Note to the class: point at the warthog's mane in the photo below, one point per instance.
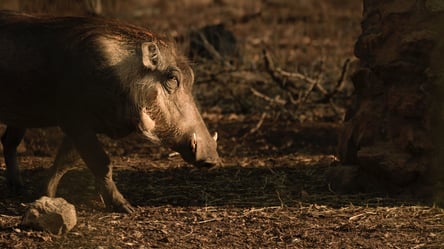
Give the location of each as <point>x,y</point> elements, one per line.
<point>78,28</point>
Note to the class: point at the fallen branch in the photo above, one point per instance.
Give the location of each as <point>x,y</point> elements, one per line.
<point>257,127</point>
<point>266,98</point>
<point>309,90</point>
<point>340,82</point>
<point>284,78</point>
<point>259,124</point>
<point>296,95</point>
<point>210,220</point>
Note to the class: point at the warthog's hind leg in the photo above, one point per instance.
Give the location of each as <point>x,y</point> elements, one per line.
<point>64,161</point>
<point>10,140</point>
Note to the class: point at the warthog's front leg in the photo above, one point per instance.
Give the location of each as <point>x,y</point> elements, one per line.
<point>64,161</point>
<point>10,140</point>
<point>92,153</point>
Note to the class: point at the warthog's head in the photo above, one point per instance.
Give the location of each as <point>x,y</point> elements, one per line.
<point>167,109</point>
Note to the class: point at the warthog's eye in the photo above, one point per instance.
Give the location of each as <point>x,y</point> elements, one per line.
<point>172,80</point>
<point>171,83</point>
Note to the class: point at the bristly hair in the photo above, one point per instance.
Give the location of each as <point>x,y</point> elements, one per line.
<point>80,28</point>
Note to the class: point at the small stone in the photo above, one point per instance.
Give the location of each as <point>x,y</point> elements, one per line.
<point>54,215</point>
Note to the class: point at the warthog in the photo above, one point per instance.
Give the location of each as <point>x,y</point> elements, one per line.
<point>89,76</point>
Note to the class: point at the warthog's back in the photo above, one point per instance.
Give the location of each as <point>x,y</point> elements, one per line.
<point>25,88</point>
<point>49,66</point>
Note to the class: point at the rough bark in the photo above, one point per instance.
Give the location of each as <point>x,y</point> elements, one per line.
<point>390,131</point>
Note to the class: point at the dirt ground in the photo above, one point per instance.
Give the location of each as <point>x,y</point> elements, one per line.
<point>277,143</point>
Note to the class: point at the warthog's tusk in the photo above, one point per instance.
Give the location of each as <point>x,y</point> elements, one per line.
<point>215,136</point>
<point>194,143</point>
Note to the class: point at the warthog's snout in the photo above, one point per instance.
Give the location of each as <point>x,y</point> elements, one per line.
<point>201,150</point>
<point>205,153</point>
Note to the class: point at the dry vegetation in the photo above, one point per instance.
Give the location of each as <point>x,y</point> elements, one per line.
<point>278,128</point>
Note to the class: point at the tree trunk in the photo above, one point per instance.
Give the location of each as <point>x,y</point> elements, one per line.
<point>392,133</point>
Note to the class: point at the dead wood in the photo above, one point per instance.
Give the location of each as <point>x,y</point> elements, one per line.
<point>290,81</point>
<point>340,83</point>
<point>268,99</point>
<point>257,127</point>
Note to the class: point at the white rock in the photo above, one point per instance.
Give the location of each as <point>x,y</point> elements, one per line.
<point>54,215</point>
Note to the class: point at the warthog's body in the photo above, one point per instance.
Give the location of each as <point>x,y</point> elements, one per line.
<point>93,76</point>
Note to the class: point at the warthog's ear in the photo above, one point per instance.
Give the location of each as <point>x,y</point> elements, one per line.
<point>151,56</point>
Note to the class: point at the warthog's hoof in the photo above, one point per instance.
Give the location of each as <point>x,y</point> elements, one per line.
<point>113,199</point>
<point>119,205</point>
<point>123,208</point>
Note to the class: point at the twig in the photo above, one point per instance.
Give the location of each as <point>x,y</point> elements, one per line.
<point>340,82</point>
<point>258,125</point>
<point>8,216</point>
<point>330,189</point>
<point>309,90</point>
<point>280,199</point>
<point>271,68</point>
<point>173,154</point>
<point>260,95</point>
<point>305,78</point>
<point>254,210</point>
<point>188,234</point>
<point>358,216</point>
<point>336,109</point>
<point>284,77</point>
<point>285,81</point>
<point>266,98</point>
<point>210,220</point>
